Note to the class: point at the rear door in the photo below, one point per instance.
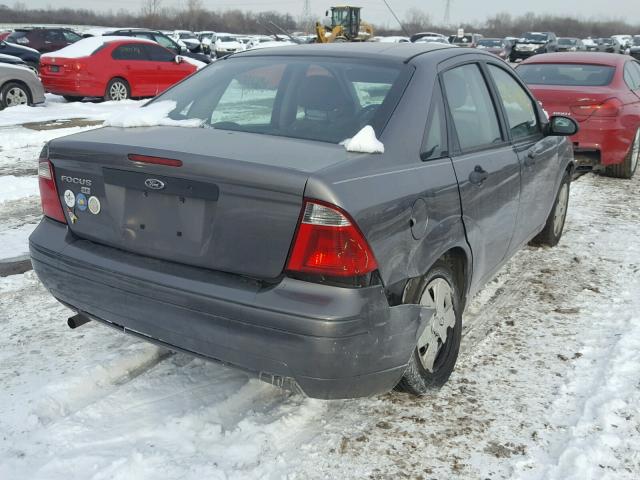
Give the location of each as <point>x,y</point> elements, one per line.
<point>486,167</point>
<point>538,155</point>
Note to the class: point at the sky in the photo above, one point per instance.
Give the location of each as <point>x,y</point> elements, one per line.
<point>376,12</point>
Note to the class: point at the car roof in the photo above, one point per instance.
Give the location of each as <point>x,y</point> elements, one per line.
<point>371,50</point>
<point>592,58</point>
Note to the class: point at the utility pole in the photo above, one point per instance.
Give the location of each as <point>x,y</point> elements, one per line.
<point>447,12</point>
<point>306,15</point>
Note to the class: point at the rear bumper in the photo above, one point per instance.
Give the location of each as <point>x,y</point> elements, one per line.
<point>328,341</point>
<point>604,135</point>
<point>72,85</point>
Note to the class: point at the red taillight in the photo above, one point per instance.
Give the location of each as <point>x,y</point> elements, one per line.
<point>608,108</point>
<point>329,244</point>
<point>51,206</point>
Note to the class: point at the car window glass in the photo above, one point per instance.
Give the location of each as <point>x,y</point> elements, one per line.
<point>570,74</point>
<point>472,110</point>
<point>636,67</point>
<point>306,98</point>
<point>631,76</point>
<point>129,52</point>
<point>434,144</point>
<point>158,54</point>
<point>165,42</point>
<point>521,113</point>
<point>249,97</point>
<point>54,36</point>
<point>70,36</point>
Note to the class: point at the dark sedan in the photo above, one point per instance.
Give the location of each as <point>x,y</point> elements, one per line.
<point>30,56</point>
<point>261,241</point>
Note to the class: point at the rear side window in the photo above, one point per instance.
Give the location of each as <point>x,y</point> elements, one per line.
<point>521,113</point>
<point>566,74</point>
<point>165,42</point>
<point>309,98</point>
<point>434,144</point>
<point>130,52</point>
<point>471,107</point>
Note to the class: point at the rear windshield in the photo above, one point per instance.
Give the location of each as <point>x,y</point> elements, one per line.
<point>489,43</point>
<point>566,74</point>
<point>535,37</point>
<point>567,41</point>
<point>307,98</point>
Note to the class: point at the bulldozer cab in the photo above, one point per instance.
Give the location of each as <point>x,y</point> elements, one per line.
<point>348,18</point>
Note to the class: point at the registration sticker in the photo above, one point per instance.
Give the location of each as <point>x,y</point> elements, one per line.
<point>81,202</point>
<point>69,198</point>
<point>94,205</point>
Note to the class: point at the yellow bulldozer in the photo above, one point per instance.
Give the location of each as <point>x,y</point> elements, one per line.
<point>345,26</point>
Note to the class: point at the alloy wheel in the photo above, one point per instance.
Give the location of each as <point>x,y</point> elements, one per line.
<point>16,96</point>
<point>118,91</point>
<point>561,209</point>
<point>635,152</point>
<point>439,296</point>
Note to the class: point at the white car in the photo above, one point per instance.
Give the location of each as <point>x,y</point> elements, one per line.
<point>207,38</point>
<point>186,39</point>
<point>226,44</point>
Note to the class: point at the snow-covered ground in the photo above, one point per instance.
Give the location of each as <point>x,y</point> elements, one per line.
<point>547,385</point>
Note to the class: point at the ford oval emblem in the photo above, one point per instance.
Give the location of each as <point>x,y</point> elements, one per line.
<point>154,183</point>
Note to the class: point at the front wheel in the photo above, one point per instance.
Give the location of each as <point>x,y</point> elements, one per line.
<point>628,167</point>
<point>437,347</point>
<point>552,231</point>
<point>117,89</point>
<point>13,94</point>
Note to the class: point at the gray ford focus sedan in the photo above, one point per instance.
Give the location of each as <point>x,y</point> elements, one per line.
<point>259,240</point>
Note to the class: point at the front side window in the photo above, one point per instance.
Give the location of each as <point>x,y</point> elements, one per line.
<point>521,113</point>
<point>472,110</point>
<point>71,36</point>
<point>165,42</point>
<point>315,99</point>
<point>158,54</point>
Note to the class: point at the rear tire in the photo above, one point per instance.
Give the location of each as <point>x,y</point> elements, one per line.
<point>552,231</point>
<point>13,94</point>
<point>433,360</point>
<point>629,165</point>
<point>117,89</point>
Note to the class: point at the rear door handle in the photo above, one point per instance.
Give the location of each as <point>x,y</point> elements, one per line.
<point>478,176</point>
<point>530,158</point>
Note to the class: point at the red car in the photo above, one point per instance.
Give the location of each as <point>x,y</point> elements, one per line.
<point>115,68</point>
<point>4,35</point>
<point>602,93</point>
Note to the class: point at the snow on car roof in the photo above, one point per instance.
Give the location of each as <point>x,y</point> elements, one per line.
<point>86,46</point>
<point>11,57</point>
<point>21,47</point>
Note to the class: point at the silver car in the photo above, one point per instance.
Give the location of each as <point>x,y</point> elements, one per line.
<point>19,86</point>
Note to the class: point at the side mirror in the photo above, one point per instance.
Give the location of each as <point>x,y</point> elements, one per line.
<point>561,126</point>
<point>179,59</point>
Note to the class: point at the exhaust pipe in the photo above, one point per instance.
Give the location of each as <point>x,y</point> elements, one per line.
<point>77,320</point>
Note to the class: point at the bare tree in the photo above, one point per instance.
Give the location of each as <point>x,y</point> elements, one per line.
<point>150,11</point>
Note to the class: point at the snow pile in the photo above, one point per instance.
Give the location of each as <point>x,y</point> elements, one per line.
<point>86,46</point>
<point>14,188</point>
<point>151,115</point>
<point>364,141</point>
<point>196,63</point>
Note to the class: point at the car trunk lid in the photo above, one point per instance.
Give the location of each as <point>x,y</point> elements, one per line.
<point>232,204</point>
<point>570,101</point>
